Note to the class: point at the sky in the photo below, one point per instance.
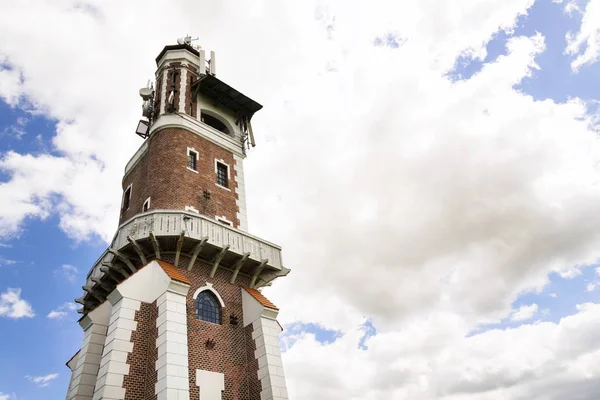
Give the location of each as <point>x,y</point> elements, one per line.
<point>429,167</point>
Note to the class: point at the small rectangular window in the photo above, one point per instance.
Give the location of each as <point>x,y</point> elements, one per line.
<point>126,198</point>
<point>192,158</point>
<point>224,221</point>
<point>222,175</point>
<point>146,205</point>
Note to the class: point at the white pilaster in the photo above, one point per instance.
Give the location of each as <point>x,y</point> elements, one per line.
<point>172,345</point>
<point>265,332</point>
<point>182,89</point>
<point>85,371</point>
<point>241,192</point>
<point>268,353</point>
<point>163,93</point>
<point>118,345</point>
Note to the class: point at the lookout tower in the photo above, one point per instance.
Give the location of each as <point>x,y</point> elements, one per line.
<point>173,309</point>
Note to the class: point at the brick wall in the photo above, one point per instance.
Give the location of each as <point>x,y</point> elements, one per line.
<point>233,353</point>
<point>163,176</point>
<point>139,384</point>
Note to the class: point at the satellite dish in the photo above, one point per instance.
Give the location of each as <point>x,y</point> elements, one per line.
<point>146,93</point>
<point>181,41</point>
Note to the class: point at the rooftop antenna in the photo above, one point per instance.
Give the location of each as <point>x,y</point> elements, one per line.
<point>147,95</point>
<point>186,40</point>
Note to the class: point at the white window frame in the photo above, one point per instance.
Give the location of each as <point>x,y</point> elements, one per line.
<point>220,161</point>
<point>209,287</point>
<point>130,188</point>
<point>192,209</point>
<point>189,150</point>
<point>144,205</point>
<point>222,218</point>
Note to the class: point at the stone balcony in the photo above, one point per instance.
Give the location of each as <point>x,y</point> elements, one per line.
<point>184,237</point>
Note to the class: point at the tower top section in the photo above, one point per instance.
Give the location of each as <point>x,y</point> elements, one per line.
<point>187,86</point>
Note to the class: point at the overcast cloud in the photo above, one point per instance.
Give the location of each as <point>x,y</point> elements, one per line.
<point>424,203</point>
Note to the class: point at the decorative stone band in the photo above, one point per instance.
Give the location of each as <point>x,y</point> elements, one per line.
<point>86,366</point>
<point>265,333</point>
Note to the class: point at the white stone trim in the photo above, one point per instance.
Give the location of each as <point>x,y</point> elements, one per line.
<point>85,371</point>
<point>141,151</point>
<point>130,188</point>
<point>118,345</point>
<point>192,209</point>
<point>190,150</point>
<point>240,189</point>
<point>221,161</point>
<point>265,332</point>
<point>209,286</point>
<point>223,218</point>
<point>144,205</point>
<point>211,384</point>
<point>180,55</point>
<point>195,151</point>
<point>232,128</point>
<point>227,142</point>
<point>268,353</point>
<point>163,94</point>
<point>172,345</point>
<point>182,87</point>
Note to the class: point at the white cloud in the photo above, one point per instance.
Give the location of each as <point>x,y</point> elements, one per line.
<point>569,272</point>
<point>585,44</point>
<point>524,313</point>
<point>592,286</point>
<point>426,204</point>
<point>553,295</point>
<point>62,311</point>
<point>42,381</point>
<point>13,306</point>
<point>434,359</point>
<point>10,83</point>
<point>6,262</point>
<point>67,271</point>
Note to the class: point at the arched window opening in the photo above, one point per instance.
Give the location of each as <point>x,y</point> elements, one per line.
<point>214,122</point>
<point>208,308</point>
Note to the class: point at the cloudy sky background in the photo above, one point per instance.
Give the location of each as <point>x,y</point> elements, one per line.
<point>431,169</point>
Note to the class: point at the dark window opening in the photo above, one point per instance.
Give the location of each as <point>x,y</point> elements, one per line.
<point>146,205</point>
<point>224,222</point>
<point>208,308</point>
<point>214,122</point>
<point>222,175</point>
<point>126,198</point>
<point>192,157</point>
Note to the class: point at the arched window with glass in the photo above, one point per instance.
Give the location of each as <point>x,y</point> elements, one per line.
<point>208,308</point>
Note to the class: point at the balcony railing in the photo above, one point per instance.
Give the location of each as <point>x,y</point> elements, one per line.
<point>171,223</point>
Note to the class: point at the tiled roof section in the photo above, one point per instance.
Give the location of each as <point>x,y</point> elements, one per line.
<point>173,272</point>
<point>260,298</point>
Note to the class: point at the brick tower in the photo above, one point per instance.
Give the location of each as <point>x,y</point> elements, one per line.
<point>171,310</point>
